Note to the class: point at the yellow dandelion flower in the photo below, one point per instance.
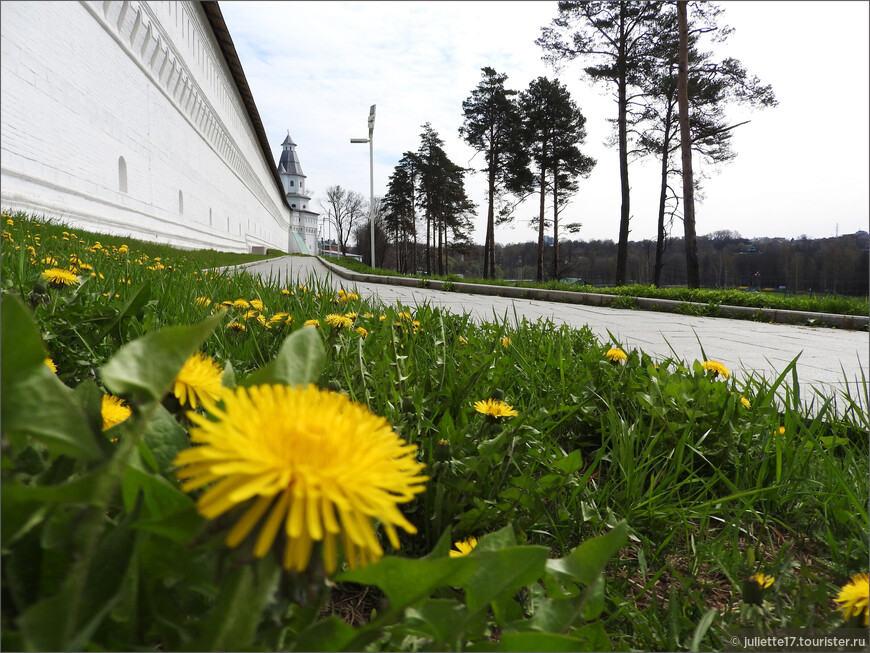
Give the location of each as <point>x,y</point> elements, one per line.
<point>338,321</point>
<point>49,260</point>
<point>463,548</point>
<point>114,411</point>
<point>382,318</point>
<point>506,342</point>
<point>241,303</point>
<point>352,315</point>
<point>315,323</point>
<point>362,332</point>
<point>60,278</point>
<point>322,466</point>
<point>237,326</point>
<point>781,430</point>
<point>250,315</point>
<point>717,368</point>
<point>10,222</point>
<point>284,291</point>
<point>199,381</point>
<point>278,317</point>
<point>368,315</point>
<point>352,296</point>
<point>854,599</point>
<point>615,354</point>
<point>495,408</point>
<point>256,303</point>
<point>463,340</point>
<point>51,365</point>
<point>753,588</point>
<point>202,301</point>
<point>746,403</point>
<point>762,580</point>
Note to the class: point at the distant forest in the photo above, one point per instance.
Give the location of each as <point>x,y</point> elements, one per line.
<point>799,265</point>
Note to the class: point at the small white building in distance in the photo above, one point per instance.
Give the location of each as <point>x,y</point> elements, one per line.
<point>135,119</point>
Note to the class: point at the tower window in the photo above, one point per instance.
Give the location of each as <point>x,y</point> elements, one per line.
<point>292,206</point>
<point>291,182</point>
<point>122,175</point>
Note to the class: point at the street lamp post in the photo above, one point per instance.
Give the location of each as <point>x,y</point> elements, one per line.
<point>369,140</point>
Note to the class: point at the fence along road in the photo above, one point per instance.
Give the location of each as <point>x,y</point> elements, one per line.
<point>832,361</point>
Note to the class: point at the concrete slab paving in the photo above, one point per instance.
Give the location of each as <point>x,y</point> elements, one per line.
<point>833,361</point>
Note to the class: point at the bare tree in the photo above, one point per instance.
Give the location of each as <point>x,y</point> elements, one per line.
<point>345,209</point>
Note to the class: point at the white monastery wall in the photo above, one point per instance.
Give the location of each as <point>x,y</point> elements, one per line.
<point>124,117</point>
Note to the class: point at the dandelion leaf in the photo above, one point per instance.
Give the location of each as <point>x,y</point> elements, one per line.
<point>300,361</point>
<point>30,388</point>
<point>147,366</point>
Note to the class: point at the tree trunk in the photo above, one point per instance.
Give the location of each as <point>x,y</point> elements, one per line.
<point>539,275</point>
<point>660,238</point>
<point>622,124</point>
<point>692,274</point>
<point>555,223</point>
<point>488,268</point>
<point>428,248</point>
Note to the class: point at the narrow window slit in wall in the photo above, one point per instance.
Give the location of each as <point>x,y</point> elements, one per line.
<point>180,203</point>
<point>122,175</point>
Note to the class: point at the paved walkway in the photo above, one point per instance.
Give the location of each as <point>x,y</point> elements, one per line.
<point>831,360</point>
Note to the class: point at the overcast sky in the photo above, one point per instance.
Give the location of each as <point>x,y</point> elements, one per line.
<point>802,167</point>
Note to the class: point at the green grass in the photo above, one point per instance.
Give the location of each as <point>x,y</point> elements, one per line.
<point>709,488</point>
<point>713,298</point>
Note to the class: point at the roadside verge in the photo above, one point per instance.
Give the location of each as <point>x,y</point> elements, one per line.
<point>779,316</point>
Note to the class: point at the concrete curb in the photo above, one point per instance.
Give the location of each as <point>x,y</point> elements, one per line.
<point>849,322</point>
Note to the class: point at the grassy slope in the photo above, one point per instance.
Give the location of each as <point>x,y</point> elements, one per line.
<point>836,304</point>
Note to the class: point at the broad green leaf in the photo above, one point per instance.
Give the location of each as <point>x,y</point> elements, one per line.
<point>90,398</point>
<point>406,581</point>
<point>180,526</point>
<point>571,463</point>
<point>67,620</point>
<point>85,490</point>
<point>139,296</point>
<point>702,627</point>
<point>497,540</point>
<point>35,402</point>
<point>232,622</point>
<point>587,560</point>
<point>443,621</point>
<point>300,361</point>
<point>442,546</point>
<point>161,498</point>
<point>331,634</point>
<point>147,366</point>
<point>164,438</point>
<point>501,574</point>
<point>21,342</point>
<point>17,516</point>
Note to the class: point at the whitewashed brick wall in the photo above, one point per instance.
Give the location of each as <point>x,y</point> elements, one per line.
<point>86,83</point>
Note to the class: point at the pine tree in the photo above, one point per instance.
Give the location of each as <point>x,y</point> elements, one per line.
<point>492,126</point>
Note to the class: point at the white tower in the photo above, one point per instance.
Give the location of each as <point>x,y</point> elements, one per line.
<point>303,223</point>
